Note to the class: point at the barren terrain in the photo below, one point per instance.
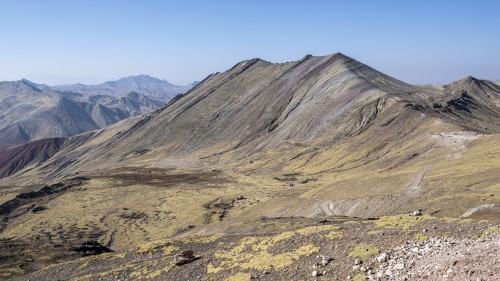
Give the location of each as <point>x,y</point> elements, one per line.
<point>264,171</point>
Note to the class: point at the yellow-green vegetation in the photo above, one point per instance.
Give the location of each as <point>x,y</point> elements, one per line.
<point>364,251</point>
<point>154,247</point>
<point>240,276</point>
<point>144,272</point>
<point>266,252</point>
<point>316,229</point>
<point>8,272</point>
<point>259,260</point>
<point>421,237</point>
<point>203,239</point>
<point>489,231</point>
<point>405,221</point>
<point>359,277</point>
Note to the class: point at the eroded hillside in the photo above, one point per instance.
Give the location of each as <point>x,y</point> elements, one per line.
<point>267,162</point>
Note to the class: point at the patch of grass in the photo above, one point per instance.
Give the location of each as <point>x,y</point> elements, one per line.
<point>158,246</point>
<point>403,221</point>
<point>364,251</point>
<point>259,260</point>
<point>255,252</point>
<point>333,235</point>
<point>421,237</point>
<point>8,272</point>
<point>331,231</point>
<point>201,239</point>
<point>315,229</point>
<point>489,231</point>
<point>359,277</point>
<point>240,276</point>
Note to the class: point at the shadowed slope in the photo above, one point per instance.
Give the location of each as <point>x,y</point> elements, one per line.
<point>257,105</point>
<point>266,143</point>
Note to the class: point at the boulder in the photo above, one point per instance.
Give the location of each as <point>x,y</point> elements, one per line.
<point>184,257</point>
<point>382,258</point>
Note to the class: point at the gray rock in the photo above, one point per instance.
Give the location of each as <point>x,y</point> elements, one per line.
<point>184,257</point>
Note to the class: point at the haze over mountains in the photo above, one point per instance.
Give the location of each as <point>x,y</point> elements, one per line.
<point>261,159</point>
<point>258,106</point>
<point>141,84</point>
<point>32,111</point>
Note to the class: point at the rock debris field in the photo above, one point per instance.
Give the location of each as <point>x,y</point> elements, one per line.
<point>439,259</point>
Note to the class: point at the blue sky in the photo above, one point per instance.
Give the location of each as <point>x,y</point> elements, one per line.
<point>91,41</point>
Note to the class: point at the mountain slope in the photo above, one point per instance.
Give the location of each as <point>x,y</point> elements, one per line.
<point>261,149</point>
<point>257,104</point>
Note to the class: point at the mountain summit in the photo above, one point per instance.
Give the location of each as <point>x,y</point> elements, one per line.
<point>259,168</point>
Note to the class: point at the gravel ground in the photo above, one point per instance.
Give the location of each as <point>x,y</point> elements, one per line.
<point>441,259</point>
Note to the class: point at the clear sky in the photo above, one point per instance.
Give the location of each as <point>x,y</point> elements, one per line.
<point>91,41</point>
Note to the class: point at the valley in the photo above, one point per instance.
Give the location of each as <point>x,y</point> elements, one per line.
<point>264,171</point>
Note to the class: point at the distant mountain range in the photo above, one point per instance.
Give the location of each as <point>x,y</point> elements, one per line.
<point>260,167</point>
<point>141,84</point>
<point>30,111</point>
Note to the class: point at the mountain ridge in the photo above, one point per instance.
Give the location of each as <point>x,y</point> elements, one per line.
<point>289,157</point>
<point>359,88</point>
<point>33,111</point>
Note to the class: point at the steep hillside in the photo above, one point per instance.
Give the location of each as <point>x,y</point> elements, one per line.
<point>257,106</point>
<point>258,169</point>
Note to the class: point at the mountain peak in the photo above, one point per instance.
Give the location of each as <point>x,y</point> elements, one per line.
<point>29,84</point>
<point>141,76</point>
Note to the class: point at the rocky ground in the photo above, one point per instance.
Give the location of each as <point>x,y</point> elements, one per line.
<point>404,247</point>
<point>442,259</point>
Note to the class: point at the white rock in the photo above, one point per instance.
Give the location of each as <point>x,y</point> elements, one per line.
<point>382,257</point>
<point>388,272</point>
<point>399,266</point>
